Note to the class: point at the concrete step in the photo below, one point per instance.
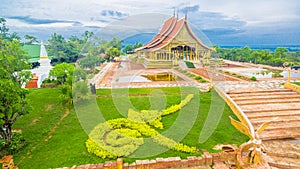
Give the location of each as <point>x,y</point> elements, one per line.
<point>283,153</point>
<point>275,101</point>
<point>264,105</point>
<point>281,125</point>
<point>278,119</point>
<point>255,119</point>
<point>270,107</point>
<point>259,91</point>
<point>274,110</point>
<point>283,165</point>
<point>264,97</point>
<point>280,134</point>
<point>260,94</point>
<point>269,115</point>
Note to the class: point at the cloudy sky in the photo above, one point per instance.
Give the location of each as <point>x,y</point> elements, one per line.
<point>225,22</point>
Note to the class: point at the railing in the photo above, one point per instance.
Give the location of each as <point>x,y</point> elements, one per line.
<point>293,87</point>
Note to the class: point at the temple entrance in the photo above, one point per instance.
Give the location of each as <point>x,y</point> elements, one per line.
<point>184,52</point>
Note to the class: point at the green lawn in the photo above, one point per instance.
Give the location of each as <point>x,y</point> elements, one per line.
<point>297,83</point>
<point>66,147</point>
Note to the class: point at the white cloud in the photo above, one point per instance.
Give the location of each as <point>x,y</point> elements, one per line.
<point>251,11</point>
<point>229,16</point>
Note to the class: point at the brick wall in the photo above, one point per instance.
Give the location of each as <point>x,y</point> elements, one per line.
<point>33,83</point>
<point>207,159</point>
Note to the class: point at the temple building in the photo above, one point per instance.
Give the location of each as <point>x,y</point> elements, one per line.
<point>174,42</point>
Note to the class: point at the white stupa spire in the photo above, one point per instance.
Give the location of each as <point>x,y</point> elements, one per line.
<point>43,52</point>
<point>44,69</point>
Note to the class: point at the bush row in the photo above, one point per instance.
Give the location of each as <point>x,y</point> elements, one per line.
<point>200,79</point>
<point>177,107</point>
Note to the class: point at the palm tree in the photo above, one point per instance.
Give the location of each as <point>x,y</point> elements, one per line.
<point>30,39</point>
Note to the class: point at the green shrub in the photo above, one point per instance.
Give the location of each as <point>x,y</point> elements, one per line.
<point>202,81</point>
<point>184,71</point>
<point>189,64</point>
<point>16,143</point>
<point>198,77</point>
<point>253,78</point>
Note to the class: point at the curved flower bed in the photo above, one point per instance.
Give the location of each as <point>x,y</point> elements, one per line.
<point>121,137</point>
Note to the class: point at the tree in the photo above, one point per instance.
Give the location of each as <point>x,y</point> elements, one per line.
<point>115,43</point>
<point>87,35</point>
<point>14,36</point>
<point>90,61</point>
<point>112,52</point>
<point>137,45</point>
<point>62,73</point>
<point>281,51</point>
<point>128,48</point>
<point>79,75</point>
<point>3,29</point>
<point>55,44</point>
<point>13,101</point>
<point>30,39</point>
<point>62,50</point>
<point>4,34</point>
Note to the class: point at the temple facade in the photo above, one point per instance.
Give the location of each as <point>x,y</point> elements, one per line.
<point>174,42</point>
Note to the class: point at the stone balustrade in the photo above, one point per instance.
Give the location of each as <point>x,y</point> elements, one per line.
<point>293,87</point>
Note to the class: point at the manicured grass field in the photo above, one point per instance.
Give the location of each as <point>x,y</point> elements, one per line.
<point>66,146</point>
<point>297,83</point>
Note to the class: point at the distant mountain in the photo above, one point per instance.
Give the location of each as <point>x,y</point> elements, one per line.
<point>142,37</point>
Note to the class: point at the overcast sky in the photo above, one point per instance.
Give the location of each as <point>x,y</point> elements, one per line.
<point>225,22</point>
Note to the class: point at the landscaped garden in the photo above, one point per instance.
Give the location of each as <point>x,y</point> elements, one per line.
<point>47,146</point>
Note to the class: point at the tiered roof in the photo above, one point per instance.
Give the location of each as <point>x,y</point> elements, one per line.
<point>168,32</point>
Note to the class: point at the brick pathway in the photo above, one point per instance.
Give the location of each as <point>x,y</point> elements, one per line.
<point>110,74</point>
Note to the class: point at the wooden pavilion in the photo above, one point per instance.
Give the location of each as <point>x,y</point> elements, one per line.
<point>173,43</point>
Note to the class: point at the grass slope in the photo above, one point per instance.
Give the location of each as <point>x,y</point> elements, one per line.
<point>66,147</point>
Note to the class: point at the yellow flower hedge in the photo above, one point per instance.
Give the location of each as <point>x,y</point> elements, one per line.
<point>121,137</point>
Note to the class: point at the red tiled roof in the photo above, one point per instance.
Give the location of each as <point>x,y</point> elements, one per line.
<point>169,30</point>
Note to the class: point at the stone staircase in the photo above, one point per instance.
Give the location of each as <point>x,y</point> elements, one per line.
<point>282,106</point>
<point>261,105</point>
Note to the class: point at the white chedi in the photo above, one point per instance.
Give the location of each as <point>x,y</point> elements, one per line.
<point>44,69</point>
